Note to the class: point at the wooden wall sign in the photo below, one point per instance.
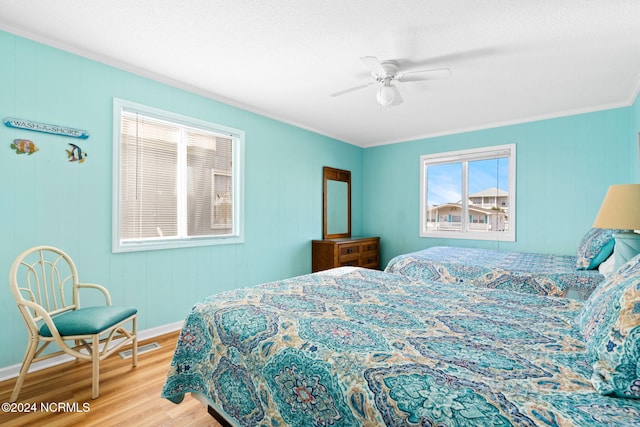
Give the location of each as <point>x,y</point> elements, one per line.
<point>45,128</point>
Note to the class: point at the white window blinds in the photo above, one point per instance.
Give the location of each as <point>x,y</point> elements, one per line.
<point>176,181</point>
<point>149,172</point>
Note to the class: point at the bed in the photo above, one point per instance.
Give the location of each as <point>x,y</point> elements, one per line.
<point>358,347</point>
<point>543,274</point>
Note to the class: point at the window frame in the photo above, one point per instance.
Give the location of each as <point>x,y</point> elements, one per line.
<point>462,156</point>
<point>238,139</point>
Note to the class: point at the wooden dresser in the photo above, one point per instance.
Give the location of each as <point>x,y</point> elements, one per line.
<point>347,251</point>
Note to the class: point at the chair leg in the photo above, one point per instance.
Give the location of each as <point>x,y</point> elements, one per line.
<point>134,350</point>
<point>26,363</point>
<point>77,344</point>
<point>95,367</point>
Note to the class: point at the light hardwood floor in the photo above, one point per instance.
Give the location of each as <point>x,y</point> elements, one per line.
<point>128,396</point>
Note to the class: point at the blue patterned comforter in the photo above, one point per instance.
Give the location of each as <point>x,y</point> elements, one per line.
<point>357,347</point>
<point>542,274</point>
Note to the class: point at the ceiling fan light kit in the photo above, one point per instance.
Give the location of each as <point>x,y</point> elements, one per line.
<point>384,73</point>
<point>385,95</point>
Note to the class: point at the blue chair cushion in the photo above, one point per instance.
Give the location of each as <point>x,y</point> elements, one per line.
<point>86,321</point>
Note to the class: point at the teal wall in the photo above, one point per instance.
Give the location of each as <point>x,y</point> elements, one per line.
<point>47,200</point>
<point>564,167</point>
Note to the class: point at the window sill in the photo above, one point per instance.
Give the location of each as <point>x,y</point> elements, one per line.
<point>121,247</point>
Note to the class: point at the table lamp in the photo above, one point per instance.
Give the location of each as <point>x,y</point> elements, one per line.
<point>621,210</point>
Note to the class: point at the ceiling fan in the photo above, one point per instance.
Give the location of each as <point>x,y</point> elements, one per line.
<point>386,73</point>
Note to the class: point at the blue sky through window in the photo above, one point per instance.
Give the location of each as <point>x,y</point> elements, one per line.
<point>444,182</point>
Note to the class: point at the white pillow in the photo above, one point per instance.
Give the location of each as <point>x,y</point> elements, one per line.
<point>606,268</point>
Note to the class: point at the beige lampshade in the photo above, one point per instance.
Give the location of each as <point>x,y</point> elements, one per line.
<point>620,208</point>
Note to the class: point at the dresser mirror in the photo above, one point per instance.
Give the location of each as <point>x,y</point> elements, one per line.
<point>336,203</point>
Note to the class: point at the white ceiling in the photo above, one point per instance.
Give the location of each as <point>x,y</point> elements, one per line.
<point>511,60</point>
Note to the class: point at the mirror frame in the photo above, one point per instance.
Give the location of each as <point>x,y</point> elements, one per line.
<point>333,174</point>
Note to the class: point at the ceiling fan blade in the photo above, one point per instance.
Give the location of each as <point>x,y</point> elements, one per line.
<point>372,63</point>
<point>397,98</point>
<point>418,76</point>
<point>352,89</point>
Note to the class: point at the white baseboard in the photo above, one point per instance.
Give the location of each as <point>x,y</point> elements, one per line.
<point>159,330</point>
<point>13,371</point>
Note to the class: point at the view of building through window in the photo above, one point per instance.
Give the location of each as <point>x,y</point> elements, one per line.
<point>468,192</point>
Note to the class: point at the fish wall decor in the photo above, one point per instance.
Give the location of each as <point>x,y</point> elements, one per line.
<point>76,154</point>
<point>23,146</point>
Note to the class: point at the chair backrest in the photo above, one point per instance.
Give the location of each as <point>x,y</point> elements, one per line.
<point>46,276</point>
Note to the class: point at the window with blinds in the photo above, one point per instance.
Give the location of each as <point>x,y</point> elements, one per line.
<point>469,194</point>
<point>177,180</point>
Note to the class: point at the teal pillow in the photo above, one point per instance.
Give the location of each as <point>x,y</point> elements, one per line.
<point>595,247</point>
<point>610,325</point>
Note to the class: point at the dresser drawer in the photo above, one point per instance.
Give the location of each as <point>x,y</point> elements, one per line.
<point>354,262</point>
<point>369,248</point>
<point>371,261</point>
<point>348,252</point>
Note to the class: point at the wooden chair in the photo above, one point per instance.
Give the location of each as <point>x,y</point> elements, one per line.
<point>45,284</point>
